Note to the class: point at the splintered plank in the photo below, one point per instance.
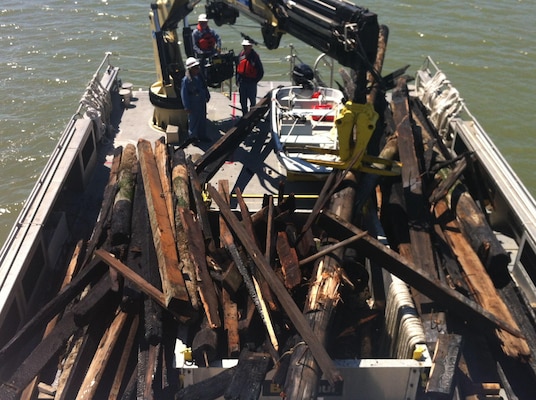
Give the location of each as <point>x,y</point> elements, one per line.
<point>101,358</point>
<point>173,284</point>
<point>289,261</point>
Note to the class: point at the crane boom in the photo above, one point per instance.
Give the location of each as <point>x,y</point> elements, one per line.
<point>344,31</point>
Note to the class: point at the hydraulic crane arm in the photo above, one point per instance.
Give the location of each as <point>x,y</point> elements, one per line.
<point>344,31</point>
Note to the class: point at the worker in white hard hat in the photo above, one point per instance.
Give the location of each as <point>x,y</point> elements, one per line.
<point>195,96</point>
<point>249,71</point>
<point>206,41</point>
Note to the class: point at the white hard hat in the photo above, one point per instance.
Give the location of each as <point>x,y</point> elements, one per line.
<point>202,18</point>
<point>191,62</point>
<point>246,42</point>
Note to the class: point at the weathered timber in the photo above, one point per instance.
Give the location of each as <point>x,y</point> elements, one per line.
<point>289,261</point>
<point>49,346</point>
<point>269,229</point>
<point>182,196</point>
<point>390,260</point>
<point>184,238</point>
<point>174,288</point>
<point>180,180</point>
<point>106,207</point>
<point>448,178</point>
<point>448,260</point>
<point>14,348</point>
<point>231,277</point>
<point>333,247</point>
<point>122,208</point>
<point>322,298</point>
<point>162,164</point>
<point>69,364</point>
<point>230,318</point>
<point>200,207</point>
<point>101,358</point>
<point>180,184</point>
<point>130,387</point>
<point>234,279</point>
<point>418,113</point>
<point>136,279</point>
<point>142,259</point>
<point>479,234</point>
<point>89,339</point>
<point>480,283</point>
<point>241,263</point>
<point>209,389</point>
<point>382,84</point>
<point>147,365</point>
<point>248,224</point>
<point>212,160</point>
<point>196,254</point>
<point>419,224</point>
<point>130,342</point>
<point>441,380</point>
<point>246,383</point>
<point>292,310</point>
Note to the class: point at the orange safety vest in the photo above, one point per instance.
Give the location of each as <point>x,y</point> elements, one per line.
<point>246,68</point>
<point>207,41</point>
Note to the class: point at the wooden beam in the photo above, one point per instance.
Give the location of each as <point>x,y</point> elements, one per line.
<point>197,256</point>
<point>333,247</point>
<point>174,288</point>
<point>162,164</point>
<point>128,273</point>
<point>122,207</point>
<point>101,357</point>
<point>123,361</point>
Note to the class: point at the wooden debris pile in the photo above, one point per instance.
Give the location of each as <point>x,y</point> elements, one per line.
<point>270,288</point>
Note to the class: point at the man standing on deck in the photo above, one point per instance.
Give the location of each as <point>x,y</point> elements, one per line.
<point>249,71</point>
<point>195,96</point>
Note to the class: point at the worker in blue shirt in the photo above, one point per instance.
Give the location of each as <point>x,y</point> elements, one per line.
<point>195,96</point>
